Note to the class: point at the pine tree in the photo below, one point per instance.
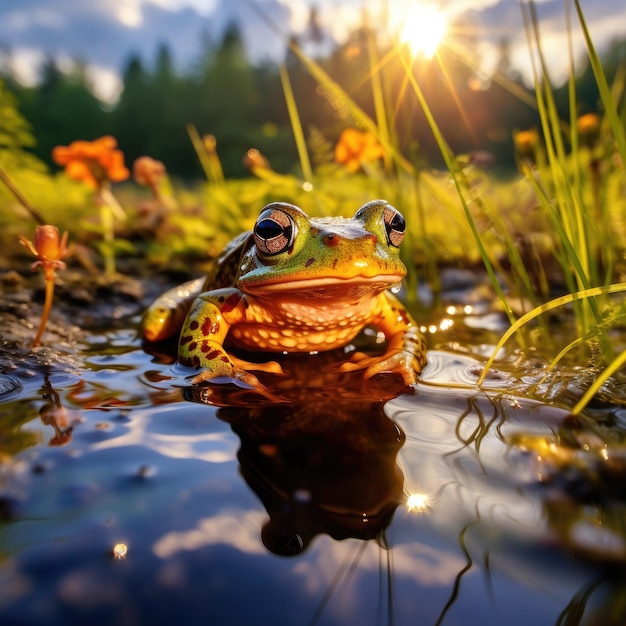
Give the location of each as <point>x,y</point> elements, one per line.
<point>16,135</point>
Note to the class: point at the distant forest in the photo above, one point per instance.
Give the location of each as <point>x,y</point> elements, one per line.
<point>243,106</point>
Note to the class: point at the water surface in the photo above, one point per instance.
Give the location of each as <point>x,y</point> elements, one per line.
<point>348,504</point>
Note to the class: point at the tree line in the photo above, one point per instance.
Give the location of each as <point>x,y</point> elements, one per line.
<point>243,105</point>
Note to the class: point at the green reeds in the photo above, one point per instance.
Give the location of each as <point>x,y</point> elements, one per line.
<point>568,186</point>
<point>296,126</point>
<point>545,308</point>
<point>460,184</point>
<point>568,174</point>
<point>559,192</point>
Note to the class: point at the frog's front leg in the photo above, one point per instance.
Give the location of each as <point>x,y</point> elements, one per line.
<point>406,346</point>
<point>201,343</point>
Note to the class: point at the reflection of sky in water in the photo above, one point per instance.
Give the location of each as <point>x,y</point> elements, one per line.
<point>176,433</point>
<point>165,480</point>
<point>460,482</point>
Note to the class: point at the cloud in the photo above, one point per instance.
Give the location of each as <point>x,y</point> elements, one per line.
<point>95,33</point>
<point>104,33</point>
<point>496,22</point>
<point>503,19</point>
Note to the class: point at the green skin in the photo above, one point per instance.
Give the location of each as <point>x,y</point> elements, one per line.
<point>296,284</point>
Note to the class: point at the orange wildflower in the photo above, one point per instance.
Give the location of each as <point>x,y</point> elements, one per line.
<point>589,122</point>
<point>356,147</point>
<point>92,162</point>
<point>48,249</point>
<point>526,142</point>
<point>588,127</point>
<point>148,171</point>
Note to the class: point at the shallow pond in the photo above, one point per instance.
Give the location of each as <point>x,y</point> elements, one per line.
<point>127,498</point>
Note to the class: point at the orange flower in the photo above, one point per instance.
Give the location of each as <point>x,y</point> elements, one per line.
<point>92,162</point>
<point>526,142</point>
<point>48,249</point>
<point>588,127</point>
<point>356,147</point>
<point>587,123</point>
<point>148,171</point>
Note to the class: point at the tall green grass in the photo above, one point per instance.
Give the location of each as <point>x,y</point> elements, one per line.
<point>574,178</point>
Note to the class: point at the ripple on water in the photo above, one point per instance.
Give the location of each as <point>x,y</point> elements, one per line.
<point>458,370</point>
<point>10,386</point>
<point>457,451</point>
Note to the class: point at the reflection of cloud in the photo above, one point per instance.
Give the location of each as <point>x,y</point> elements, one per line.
<point>318,568</point>
<point>425,564</point>
<point>414,561</point>
<point>240,530</point>
<point>212,447</point>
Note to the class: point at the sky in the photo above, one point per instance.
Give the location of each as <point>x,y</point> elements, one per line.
<point>104,33</point>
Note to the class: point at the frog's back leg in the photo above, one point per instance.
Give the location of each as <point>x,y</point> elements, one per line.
<point>165,316</point>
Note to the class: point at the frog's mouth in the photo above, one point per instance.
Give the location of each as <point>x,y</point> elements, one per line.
<point>334,286</point>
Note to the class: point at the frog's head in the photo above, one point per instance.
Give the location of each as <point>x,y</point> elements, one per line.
<point>291,251</point>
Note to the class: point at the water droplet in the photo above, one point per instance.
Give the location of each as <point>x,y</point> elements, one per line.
<point>396,288</point>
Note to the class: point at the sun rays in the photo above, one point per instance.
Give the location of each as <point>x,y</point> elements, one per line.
<point>424,29</point>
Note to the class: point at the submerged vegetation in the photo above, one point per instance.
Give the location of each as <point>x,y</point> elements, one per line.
<point>551,234</point>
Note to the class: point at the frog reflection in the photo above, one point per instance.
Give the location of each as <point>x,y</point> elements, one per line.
<point>324,464</point>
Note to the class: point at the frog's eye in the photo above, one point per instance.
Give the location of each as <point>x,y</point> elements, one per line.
<point>394,226</point>
<point>274,232</point>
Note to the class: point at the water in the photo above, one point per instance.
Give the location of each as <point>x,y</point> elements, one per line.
<point>445,506</point>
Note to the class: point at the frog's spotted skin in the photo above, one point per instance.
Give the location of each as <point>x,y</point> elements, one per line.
<point>166,315</point>
<point>297,284</point>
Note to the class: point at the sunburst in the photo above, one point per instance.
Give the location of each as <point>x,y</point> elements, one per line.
<point>424,29</point>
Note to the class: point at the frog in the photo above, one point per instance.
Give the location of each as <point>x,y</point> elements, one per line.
<point>295,284</point>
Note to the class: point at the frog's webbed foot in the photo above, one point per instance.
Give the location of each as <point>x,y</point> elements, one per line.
<point>237,375</point>
<point>269,367</point>
<point>405,356</point>
<point>216,363</point>
<point>403,363</point>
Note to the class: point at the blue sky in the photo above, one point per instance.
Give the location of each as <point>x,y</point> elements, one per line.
<point>105,32</point>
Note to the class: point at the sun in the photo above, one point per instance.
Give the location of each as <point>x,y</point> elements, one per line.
<point>424,28</point>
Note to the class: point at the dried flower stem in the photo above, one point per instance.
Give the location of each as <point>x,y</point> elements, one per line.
<point>19,196</point>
